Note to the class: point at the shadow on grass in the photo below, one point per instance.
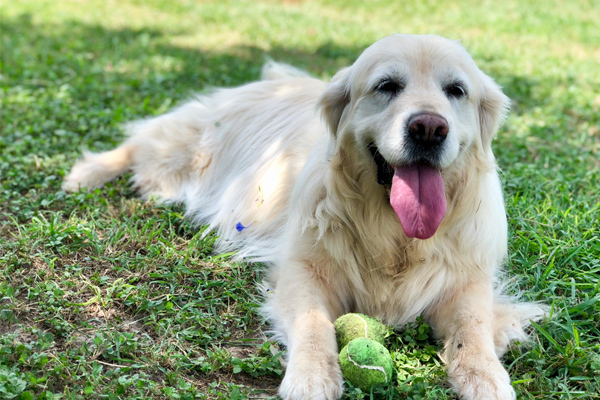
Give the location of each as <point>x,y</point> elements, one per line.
<point>71,86</point>
<point>138,62</point>
<point>92,54</point>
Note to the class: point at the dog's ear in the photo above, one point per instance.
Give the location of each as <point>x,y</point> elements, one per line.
<point>334,100</point>
<point>493,109</point>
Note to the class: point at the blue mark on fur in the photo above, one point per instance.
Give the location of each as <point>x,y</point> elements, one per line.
<point>241,227</point>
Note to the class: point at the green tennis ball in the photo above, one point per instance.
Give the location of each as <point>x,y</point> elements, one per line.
<point>366,363</point>
<point>352,326</point>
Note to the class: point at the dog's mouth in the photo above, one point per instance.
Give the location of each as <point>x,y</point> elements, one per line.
<point>417,194</point>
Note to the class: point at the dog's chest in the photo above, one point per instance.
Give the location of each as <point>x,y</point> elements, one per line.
<point>399,285</point>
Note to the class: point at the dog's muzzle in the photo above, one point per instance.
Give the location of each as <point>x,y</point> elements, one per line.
<point>425,136</point>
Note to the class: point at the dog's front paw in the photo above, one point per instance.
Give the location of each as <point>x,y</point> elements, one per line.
<point>481,379</point>
<point>314,378</point>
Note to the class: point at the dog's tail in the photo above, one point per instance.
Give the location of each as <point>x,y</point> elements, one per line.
<point>96,169</point>
<point>276,70</point>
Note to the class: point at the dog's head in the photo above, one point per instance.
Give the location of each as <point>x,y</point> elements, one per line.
<point>415,104</point>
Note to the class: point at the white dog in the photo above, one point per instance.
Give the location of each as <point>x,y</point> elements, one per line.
<point>391,206</point>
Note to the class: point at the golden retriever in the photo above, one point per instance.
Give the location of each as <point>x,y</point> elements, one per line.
<point>389,205</point>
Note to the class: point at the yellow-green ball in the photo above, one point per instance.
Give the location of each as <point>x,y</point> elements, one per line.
<point>366,363</point>
<point>352,326</point>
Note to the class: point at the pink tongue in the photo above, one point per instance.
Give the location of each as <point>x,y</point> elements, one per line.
<point>419,200</point>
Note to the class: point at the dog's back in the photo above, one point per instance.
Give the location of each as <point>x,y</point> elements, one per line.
<point>232,156</point>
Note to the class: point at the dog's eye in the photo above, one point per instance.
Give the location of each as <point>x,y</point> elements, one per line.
<point>456,90</point>
<point>389,87</point>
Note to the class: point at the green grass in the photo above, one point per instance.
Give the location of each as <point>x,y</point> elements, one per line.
<point>104,296</point>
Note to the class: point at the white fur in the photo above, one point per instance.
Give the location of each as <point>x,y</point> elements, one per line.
<point>260,155</point>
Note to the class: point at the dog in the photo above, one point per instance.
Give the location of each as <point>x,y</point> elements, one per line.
<point>375,193</point>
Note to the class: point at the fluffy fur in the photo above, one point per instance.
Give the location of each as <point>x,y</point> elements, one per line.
<point>306,189</point>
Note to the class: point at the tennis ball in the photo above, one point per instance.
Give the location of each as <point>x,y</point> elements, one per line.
<point>351,326</point>
<point>366,363</point>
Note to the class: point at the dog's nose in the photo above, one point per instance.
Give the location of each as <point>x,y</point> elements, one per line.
<point>427,129</point>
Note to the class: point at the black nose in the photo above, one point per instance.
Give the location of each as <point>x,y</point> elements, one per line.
<point>427,129</point>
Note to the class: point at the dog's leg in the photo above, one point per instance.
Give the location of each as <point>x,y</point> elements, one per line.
<point>161,152</point>
<point>303,318</point>
<point>465,321</point>
<point>96,169</point>
<point>313,371</point>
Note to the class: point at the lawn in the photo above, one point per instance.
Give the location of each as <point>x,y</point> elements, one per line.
<point>105,296</point>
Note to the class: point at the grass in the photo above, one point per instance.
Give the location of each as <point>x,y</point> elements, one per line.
<point>104,296</point>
